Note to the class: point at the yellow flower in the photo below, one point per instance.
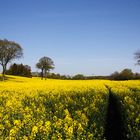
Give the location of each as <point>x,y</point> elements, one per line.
<point>35,129</point>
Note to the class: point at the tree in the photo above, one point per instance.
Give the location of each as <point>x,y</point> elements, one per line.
<point>136,76</point>
<point>79,77</point>
<point>114,76</point>
<point>45,64</point>
<point>137,57</point>
<point>126,74</point>
<point>19,70</point>
<point>9,50</point>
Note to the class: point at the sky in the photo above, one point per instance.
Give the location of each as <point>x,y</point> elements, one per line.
<point>90,37</point>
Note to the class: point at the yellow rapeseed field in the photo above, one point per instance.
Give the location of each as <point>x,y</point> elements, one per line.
<point>31,108</point>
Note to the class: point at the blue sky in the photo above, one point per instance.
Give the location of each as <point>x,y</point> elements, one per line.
<point>92,37</point>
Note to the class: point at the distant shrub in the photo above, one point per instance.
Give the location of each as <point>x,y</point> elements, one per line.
<point>19,70</point>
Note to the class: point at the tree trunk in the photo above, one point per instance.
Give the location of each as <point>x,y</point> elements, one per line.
<point>3,73</point>
<point>45,74</point>
<point>42,74</point>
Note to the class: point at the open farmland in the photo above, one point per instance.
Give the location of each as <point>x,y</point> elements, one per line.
<point>68,109</point>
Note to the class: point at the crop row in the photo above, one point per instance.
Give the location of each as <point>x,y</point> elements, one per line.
<point>128,97</point>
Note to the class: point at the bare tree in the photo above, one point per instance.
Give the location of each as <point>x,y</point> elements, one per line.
<point>137,57</point>
<point>9,50</point>
<point>45,64</point>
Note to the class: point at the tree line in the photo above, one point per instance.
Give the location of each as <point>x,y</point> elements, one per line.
<point>125,74</point>
<point>10,50</point>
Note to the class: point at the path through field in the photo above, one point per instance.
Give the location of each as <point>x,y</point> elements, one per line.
<point>114,124</point>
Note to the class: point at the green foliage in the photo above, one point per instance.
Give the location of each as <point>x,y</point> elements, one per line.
<point>79,77</point>
<point>125,74</point>
<point>19,70</point>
